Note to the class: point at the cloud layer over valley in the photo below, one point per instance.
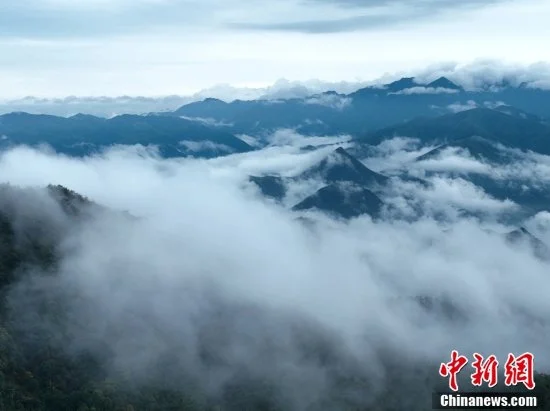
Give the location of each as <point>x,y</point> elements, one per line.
<point>241,289</point>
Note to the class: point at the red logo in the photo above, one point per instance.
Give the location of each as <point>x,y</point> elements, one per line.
<point>485,370</point>
<point>518,370</point>
<point>452,368</point>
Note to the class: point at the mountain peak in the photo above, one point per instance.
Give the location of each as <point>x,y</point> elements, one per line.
<point>212,100</point>
<point>341,150</point>
<point>444,82</point>
<point>340,166</point>
<point>82,116</point>
<point>539,247</point>
<point>401,84</point>
<point>343,199</point>
<point>520,232</point>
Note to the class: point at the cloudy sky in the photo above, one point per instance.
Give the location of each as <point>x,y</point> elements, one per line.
<point>162,47</point>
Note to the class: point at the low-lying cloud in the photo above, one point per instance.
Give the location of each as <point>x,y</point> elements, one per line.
<point>212,270</point>
<point>481,74</point>
<point>427,90</point>
<point>330,100</point>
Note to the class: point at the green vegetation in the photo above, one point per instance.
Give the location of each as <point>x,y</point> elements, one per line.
<point>35,373</point>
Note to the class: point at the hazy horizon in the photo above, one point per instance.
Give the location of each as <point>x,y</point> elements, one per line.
<point>471,76</point>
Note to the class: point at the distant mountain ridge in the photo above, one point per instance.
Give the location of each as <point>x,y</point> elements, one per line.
<point>411,83</point>
<point>507,128</point>
<point>211,127</point>
<point>85,134</point>
<point>364,110</point>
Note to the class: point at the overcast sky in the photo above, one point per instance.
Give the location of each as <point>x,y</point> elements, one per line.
<point>162,47</point>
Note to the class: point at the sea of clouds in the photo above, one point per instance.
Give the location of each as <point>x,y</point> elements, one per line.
<point>213,284</point>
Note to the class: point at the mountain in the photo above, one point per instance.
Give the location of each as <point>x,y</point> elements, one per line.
<point>531,198</point>
<point>48,362</point>
<point>443,82</point>
<point>101,106</point>
<point>341,199</point>
<point>364,110</point>
<point>516,112</point>
<point>325,113</point>
<point>340,166</point>
<point>309,116</point>
<point>270,186</point>
<point>522,235</point>
<point>38,370</point>
<point>478,147</point>
<point>485,134</point>
<point>494,125</point>
<point>83,134</point>
<point>401,84</point>
<point>484,148</point>
<point>349,189</point>
<point>41,368</point>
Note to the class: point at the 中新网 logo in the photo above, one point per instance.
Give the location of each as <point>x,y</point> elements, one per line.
<point>517,370</point>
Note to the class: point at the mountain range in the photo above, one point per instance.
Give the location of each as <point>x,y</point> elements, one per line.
<point>84,134</point>
<point>364,110</point>
<point>212,128</point>
<point>514,129</point>
<point>496,140</point>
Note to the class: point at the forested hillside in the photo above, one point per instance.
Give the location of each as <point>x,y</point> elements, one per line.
<point>40,372</point>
